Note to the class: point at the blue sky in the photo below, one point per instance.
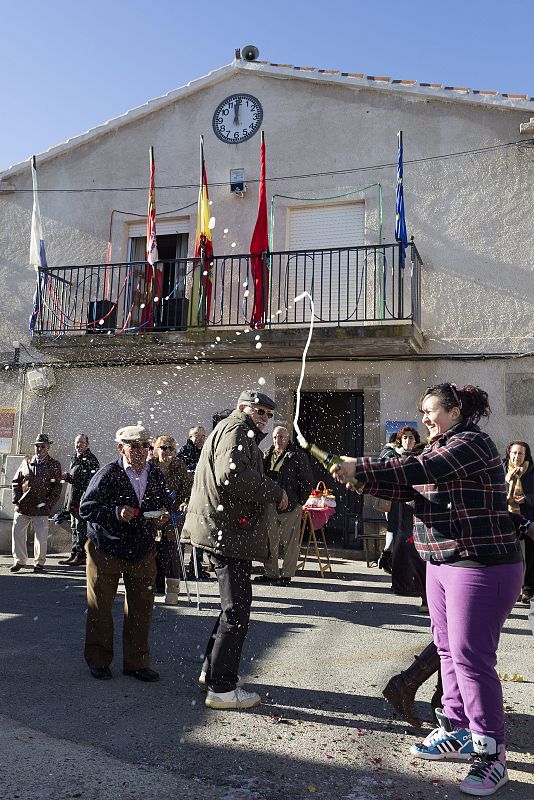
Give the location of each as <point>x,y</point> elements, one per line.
<point>66,67</point>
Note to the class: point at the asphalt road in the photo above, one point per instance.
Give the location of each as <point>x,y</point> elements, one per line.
<point>319,653</point>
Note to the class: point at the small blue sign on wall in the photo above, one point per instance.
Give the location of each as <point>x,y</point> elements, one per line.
<point>394,425</point>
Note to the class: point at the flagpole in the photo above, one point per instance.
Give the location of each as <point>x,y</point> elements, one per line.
<point>402,244</point>
<point>202,304</point>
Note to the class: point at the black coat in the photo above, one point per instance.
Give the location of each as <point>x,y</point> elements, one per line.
<point>110,489</point>
<point>295,475</point>
<point>81,470</point>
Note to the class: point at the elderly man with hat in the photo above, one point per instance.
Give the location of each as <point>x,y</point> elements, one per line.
<point>122,504</point>
<point>231,505</point>
<point>36,490</point>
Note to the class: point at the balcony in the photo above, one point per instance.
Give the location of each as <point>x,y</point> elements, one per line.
<point>366,303</point>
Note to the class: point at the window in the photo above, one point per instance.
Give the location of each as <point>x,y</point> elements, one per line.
<point>331,277</point>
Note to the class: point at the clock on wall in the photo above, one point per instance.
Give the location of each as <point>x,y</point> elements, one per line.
<point>237,118</point>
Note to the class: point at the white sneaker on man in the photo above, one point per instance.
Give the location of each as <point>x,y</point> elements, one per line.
<point>237,698</point>
<point>203,686</point>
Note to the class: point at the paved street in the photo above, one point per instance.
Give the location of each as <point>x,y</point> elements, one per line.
<point>318,652</point>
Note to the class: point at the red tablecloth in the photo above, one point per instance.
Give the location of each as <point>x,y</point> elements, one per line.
<point>319,516</point>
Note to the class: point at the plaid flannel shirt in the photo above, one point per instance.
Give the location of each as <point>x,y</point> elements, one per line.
<point>459,495</point>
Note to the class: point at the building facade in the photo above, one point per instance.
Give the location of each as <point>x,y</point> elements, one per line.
<point>461,309</point>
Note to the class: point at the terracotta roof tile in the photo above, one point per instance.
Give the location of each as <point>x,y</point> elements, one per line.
<point>516,96</point>
<point>383,78</point>
<point>485,91</point>
<point>404,82</point>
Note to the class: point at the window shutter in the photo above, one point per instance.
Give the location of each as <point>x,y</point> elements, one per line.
<point>331,278</point>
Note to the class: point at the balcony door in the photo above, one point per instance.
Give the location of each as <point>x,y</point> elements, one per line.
<point>330,278</point>
<point>172,253</point>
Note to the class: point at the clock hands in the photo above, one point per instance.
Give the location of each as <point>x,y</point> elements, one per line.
<point>236,110</point>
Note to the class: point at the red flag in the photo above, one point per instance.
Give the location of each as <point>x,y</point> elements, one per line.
<point>260,244</point>
<point>203,243</point>
<point>153,276</point>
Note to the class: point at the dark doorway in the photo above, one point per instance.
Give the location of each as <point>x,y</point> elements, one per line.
<point>334,421</point>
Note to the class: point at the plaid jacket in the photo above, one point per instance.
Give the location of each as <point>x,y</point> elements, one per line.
<point>458,492</point>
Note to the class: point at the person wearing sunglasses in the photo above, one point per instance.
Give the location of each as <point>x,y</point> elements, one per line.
<point>36,489</point>
<point>231,506</point>
<point>124,504</point>
<point>474,571</point>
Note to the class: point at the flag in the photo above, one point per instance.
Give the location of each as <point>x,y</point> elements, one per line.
<point>153,276</point>
<point>400,220</point>
<point>202,285</point>
<point>260,244</point>
<point>37,250</point>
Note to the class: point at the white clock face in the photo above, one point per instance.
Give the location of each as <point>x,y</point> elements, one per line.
<point>237,118</point>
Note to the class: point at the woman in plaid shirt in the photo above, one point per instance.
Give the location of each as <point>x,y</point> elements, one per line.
<point>474,570</point>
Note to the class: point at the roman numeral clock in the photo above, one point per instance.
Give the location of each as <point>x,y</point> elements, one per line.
<point>237,118</point>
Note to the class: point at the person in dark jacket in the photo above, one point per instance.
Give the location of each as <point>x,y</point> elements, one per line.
<point>474,569</point>
<point>36,489</point>
<point>289,466</point>
<point>83,466</point>
<point>190,453</point>
<point>122,504</point>
<point>228,516</point>
<point>520,483</point>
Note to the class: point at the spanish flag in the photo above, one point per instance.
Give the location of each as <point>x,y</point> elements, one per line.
<point>202,286</point>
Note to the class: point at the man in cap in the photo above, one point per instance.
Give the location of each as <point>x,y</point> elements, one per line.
<point>227,516</point>
<point>36,490</point>
<point>122,503</point>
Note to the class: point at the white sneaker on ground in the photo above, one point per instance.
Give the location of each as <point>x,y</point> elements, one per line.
<point>203,686</point>
<point>238,698</point>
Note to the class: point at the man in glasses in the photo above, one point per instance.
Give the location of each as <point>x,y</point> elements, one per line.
<point>231,505</point>
<point>122,504</point>
<point>36,490</point>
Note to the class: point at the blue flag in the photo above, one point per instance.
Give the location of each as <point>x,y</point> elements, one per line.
<point>37,251</point>
<point>400,220</point>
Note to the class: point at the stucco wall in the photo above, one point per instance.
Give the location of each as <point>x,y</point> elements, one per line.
<point>470,217</point>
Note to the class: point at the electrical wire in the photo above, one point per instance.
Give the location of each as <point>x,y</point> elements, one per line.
<point>348,171</point>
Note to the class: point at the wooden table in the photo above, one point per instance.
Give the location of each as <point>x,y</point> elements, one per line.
<point>312,523</point>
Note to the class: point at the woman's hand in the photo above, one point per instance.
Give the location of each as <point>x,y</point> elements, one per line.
<point>519,499</point>
<point>345,471</point>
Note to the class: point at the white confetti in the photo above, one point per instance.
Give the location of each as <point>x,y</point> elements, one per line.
<point>261,381</point>
<point>211,223</point>
<point>232,465</point>
<point>220,508</point>
<point>227,483</point>
<point>239,446</point>
<point>246,293</point>
<point>225,230</point>
<point>217,338</point>
<point>258,346</point>
<point>158,391</point>
<point>234,244</point>
<point>257,337</point>
<point>156,299</point>
<point>250,434</point>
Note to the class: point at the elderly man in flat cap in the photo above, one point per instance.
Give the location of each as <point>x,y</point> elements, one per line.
<point>122,504</point>
<point>36,490</point>
<point>228,514</point>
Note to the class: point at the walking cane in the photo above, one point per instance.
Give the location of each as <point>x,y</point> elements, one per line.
<point>195,565</point>
<point>174,521</point>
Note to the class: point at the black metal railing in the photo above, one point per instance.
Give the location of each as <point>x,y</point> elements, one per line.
<point>349,286</point>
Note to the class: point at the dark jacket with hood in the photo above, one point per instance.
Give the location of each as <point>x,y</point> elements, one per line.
<point>232,500</point>
<point>82,468</point>
<point>295,475</point>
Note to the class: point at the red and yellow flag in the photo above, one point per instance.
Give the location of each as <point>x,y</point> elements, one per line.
<point>203,247</point>
<point>153,276</point>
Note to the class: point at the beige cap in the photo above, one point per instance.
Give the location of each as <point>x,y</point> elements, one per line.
<point>132,433</point>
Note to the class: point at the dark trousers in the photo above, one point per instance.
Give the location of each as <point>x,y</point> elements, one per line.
<point>528,579</point>
<point>78,527</point>
<point>223,653</point>
<point>103,573</point>
<point>167,561</point>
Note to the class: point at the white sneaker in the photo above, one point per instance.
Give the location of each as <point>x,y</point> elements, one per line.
<point>238,698</point>
<point>203,686</point>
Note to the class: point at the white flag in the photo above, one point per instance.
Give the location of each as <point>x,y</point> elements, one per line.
<point>37,245</point>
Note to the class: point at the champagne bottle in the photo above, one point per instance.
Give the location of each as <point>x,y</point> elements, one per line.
<point>326,459</point>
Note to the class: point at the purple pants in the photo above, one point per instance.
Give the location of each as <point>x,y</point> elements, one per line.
<point>468,608</point>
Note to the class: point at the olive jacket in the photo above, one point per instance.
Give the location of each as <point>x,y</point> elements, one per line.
<point>232,501</point>
<point>37,486</point>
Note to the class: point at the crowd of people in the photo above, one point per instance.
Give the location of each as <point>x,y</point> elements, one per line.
<point>460,538</point>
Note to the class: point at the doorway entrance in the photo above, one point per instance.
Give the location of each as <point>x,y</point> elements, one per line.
<point>334,421</point>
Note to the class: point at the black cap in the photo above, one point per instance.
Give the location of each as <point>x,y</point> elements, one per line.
<point>258,398</point>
